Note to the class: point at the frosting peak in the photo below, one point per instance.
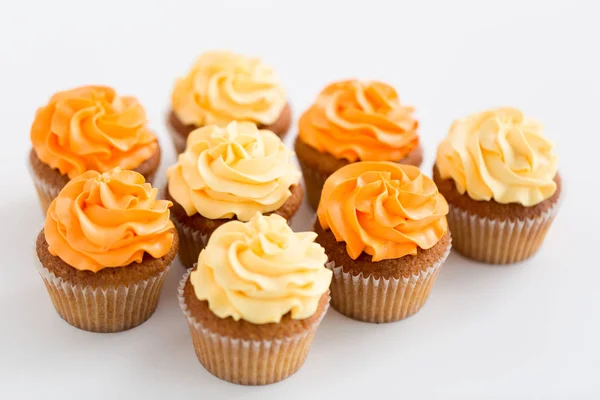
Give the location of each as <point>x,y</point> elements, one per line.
<point>261,270</point>
<point>223,86</point>
<point>385,209</point>
<point>237,170</point>
<point>499,154</point>
<point>108,220</point>
<point>92,128</point>
<point>360,121</point>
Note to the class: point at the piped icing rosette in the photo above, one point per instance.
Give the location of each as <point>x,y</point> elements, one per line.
<point>261,270</point>
<point>233,171</point>
<point>108,220</point>
<point>499,154</point>
<point>360,121</point>
<point>384,209</point>
<point>92,128</point>
<point>223,86</point>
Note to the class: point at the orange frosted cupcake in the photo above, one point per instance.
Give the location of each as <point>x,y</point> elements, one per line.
<point>500,177</point>
<point>354,121</point>
<point>383,226</point>
<point>105,250</point>
<point>229,173</point>
<point>222,87</point>
<point>89,128</point>
<point>255,300</point>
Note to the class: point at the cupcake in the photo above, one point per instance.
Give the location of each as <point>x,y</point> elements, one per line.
<point>255,300</point>
<point>105,250</point>
<point>500,177</point>
<point>354,121</point>
<point>222,87</point>
<point>229,173</point>
<point>383,226</point>
<point>89,128</point>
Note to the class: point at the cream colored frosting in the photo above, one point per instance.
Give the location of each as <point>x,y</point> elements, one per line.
<point>234,171</point>
<point>499,154</point>
<point>223,86</point>
<point>261,270</point>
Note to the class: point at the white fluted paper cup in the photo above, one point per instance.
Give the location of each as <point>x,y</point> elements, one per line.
<point>369,299</point>
<point>103,309</point>
<point>495,241</point>
<point>247,362</point>
<point>191,242</point>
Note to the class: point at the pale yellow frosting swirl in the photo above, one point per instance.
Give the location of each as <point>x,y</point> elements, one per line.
<point>501,155</point>
<point>223,86</point>
<point>261,270</point>
<point>233,171</point>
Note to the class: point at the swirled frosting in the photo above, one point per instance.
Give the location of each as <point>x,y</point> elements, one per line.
<point>499,154</point>
<point>92,128</point>
<point>233,171</point>
<point>261,270</point>
<point>356,120</point>
<point>222,87</point>
<point>385,209</point>
<point>108,220</point>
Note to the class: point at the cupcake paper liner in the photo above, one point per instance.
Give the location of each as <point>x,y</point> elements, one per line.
<point>45,190</point>
<point>110,309</point>
<point>247,362</point>
<point>191,243</point>
<point>313,182</point>
<point>370,299</point>
<point>498,242</point>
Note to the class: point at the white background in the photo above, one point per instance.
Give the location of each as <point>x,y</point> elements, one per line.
<point>528,331</point>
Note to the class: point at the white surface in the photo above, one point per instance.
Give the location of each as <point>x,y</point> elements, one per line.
<point>527,331</point>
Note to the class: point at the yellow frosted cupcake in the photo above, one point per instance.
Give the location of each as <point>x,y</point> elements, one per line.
<point>500,177</point>
<point>223,86</point>
<point>229,174</point>
<point>255,300</point>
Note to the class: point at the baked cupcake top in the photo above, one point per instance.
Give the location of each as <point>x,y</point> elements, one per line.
<point>499,154</point>
<point>261,270</point>
<point>360,121</point>
<point>108,220</point>
<point>385,209</point>
<point>92,128</point>
<point>233,171</point>
<point>223,86</point>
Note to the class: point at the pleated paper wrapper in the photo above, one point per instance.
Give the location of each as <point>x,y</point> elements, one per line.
<point>46,191</point>
<point>247,362</point>
<point>498,242</point>
<point>109,309</point>
<point>378,300</point>
<point>191,243</point>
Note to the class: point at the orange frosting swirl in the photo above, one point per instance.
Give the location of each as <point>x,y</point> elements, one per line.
<point>385,209</point>
<point>364,121</point>
<point>92,128</point>
<point>108,220</point>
